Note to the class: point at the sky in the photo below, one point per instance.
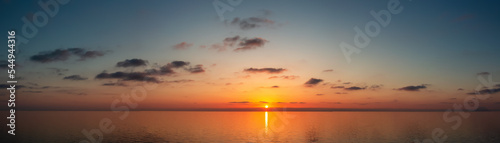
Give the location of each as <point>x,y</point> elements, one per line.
<point>87,54</point>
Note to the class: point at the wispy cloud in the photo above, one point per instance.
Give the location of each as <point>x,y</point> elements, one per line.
<point>65,54</point>
<point>265,70</point>
<point>182,46</point>
<point>75,77</point>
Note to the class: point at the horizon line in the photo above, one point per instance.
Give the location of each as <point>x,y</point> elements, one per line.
<point>263,109</point>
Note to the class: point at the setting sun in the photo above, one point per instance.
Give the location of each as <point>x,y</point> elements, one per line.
<point>267,106</point>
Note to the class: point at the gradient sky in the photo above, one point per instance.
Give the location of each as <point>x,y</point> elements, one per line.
<point>428,57</point>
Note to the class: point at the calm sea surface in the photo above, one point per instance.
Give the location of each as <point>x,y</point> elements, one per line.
<point>245,127</point>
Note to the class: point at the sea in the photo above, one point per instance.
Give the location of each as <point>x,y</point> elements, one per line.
<point>253,127</point>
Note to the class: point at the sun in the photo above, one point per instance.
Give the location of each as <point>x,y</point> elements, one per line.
<point>267,106</point>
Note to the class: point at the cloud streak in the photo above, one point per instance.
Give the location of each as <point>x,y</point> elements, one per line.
<point>132,63</point>
<point>265,70</point>
<point>65,54</point>
<point>75,77</point>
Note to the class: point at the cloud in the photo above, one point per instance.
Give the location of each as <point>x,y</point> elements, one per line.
<point>291,77</point>
<point>180,81</point>
<point>132,63</point>
<point>275,86</point>
<point>376,86</point>
<point>320,94</point>
<point>250,44</point>
<point>251,22</point>
<point>196,69</point>
<point>297,102</point>
<point>150,75</point>
<point>337,87</point>
<point>230,41</point>
<point>413,88</point>
<point>265,70</point>
<point>114,84</point>
<point>460,89</point>
<point>355,88</point>
<point>243,102</point>
<point>312,82</point>
<point>182,46</point>
<point>4,86</point>
<point>134,76</point>
<point>168,68</point>
<point>486,91</point>
<point>65,54</point>
<point>483,73</point>
<point>241,44</point>
<point>75,77</point>
<point>328,70</point>
<point>178,64</point>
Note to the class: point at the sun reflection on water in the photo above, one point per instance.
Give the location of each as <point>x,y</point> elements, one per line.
<point>266,123</point>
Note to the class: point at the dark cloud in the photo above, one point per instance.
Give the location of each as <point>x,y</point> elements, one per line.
<point>150,75</point>
<point>483,73</point>
<point>275,86</point>
<point>114,84</point>
<point>75,77</point>
<point>376,86</point>
<point>265,70</point>
<point>132,63</point>
<point>180,81</point>
<point>460,89</point>
<point>3,86</point>
<point>337,87</point>
<point>486,91</point>
<point>231,41</point>
<point>241,44</point>
<point>251,23</point>
<point>168,68</point>
<point>134,76</point>
<point>250,44</point>
<point>196,69</point>
<point>182,46</point>
<point>178,64</point>
<point>65,54</point>
<point>355,88</point>
<point>312,82</point>
<point>244,102</point>
<point>328,70</point>
<point>413,88</point>
<point>291,77</point>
